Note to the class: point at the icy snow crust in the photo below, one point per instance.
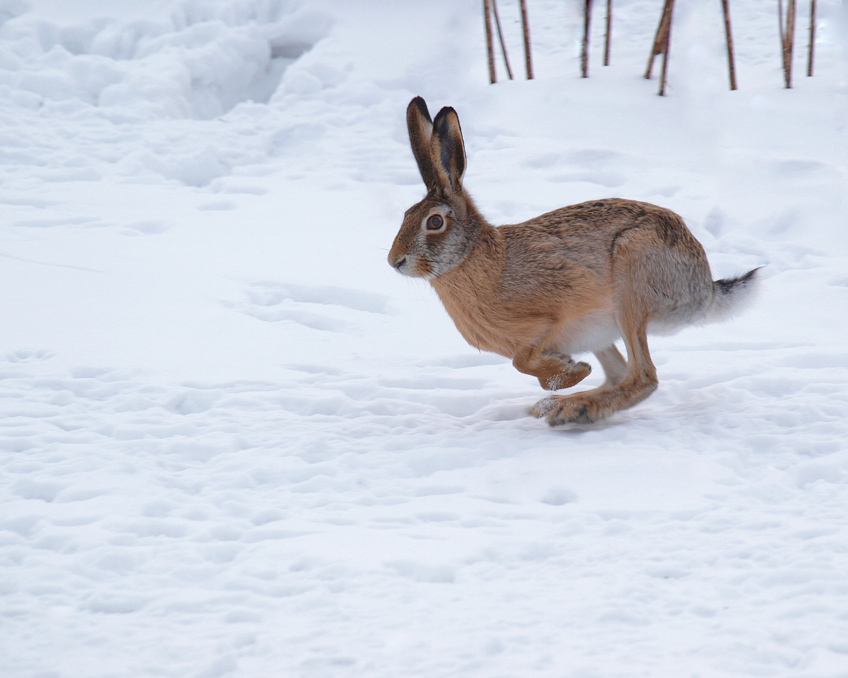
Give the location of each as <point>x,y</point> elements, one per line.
<point>234,442</point>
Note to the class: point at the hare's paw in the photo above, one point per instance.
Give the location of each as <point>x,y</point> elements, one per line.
<point>567,409</point>
<point>569,374</point>
<point>541,408</point>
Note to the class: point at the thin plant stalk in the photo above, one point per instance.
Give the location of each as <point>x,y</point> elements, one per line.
<point>666,48</point>
<point>526,28</point>
<point>501,37</point>
<point>662,40</point>
<point>812,47</point>
<point>730,62</point>
<point>659,41</point>
<point>608,36</point>
<point>584,52</point>
<point>489,51</point>
<point>787,38</point>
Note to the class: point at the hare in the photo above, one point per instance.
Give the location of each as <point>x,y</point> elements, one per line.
<point>569,281</point>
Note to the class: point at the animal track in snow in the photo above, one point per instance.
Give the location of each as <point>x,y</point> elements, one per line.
<point>802,169</point>
<point>64,222</point>
<point>591,165</point>
<point>469,360</point>
<point>320,308</point>
<point>218,206</point>
<point>24,356</point>
<point>152,227</point>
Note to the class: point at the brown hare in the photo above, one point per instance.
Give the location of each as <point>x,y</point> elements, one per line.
<point>568,281</point>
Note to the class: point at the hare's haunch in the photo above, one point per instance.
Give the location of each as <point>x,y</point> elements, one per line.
<point>565,282</point>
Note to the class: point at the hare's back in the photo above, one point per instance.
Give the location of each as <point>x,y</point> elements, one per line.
<point>575,247</point>
<point>590,229</point>
<point>579,235</point>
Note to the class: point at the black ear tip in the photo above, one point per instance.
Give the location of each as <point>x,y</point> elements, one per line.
<point>444,112</point>
<point>421,105</point>
<point>443,115</point>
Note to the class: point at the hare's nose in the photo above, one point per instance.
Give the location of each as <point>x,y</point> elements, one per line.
<point>397,262</point>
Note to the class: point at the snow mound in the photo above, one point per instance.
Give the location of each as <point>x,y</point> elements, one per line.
<point>200,62</point>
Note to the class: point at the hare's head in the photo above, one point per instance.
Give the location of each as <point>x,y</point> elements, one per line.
<point>438,232</point>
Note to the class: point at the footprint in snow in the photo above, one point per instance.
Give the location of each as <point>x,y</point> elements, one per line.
<point>24,356</point>
<point>601,178</point>
<point>327,308</point>
<point>467,360</point>
<point>147,228</point>
<point>218,205</point>
<point>59,222</point>
<point>800,168</point>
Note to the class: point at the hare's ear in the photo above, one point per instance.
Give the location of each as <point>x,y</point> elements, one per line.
<point>420,130</point>
<point>447,147</point>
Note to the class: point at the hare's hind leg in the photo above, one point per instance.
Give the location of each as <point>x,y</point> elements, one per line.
<point>553,370</point>
<point>614,364</point>
<point>647,273</point>
<point>637,383</point>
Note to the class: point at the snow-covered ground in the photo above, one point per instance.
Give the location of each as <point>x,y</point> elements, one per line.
<point>234,442</point>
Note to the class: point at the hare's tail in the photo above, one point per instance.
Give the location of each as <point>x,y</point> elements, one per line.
<point>731,296</point>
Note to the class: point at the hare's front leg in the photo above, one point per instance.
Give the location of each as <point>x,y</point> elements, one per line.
<point>553,370</point>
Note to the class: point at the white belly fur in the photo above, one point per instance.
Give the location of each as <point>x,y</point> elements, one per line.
<point>593,333</point>
<point>599,330</point>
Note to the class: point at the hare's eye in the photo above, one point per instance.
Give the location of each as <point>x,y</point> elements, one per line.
<point>435,222</point>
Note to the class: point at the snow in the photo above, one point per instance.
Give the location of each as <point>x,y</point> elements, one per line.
<point>234,442</point>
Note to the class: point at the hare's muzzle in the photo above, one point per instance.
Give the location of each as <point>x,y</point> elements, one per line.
<point>397,261</point>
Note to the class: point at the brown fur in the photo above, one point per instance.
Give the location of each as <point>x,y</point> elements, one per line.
<point>571,280</point>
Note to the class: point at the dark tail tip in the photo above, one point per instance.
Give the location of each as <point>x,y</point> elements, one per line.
<point>728,285</point>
